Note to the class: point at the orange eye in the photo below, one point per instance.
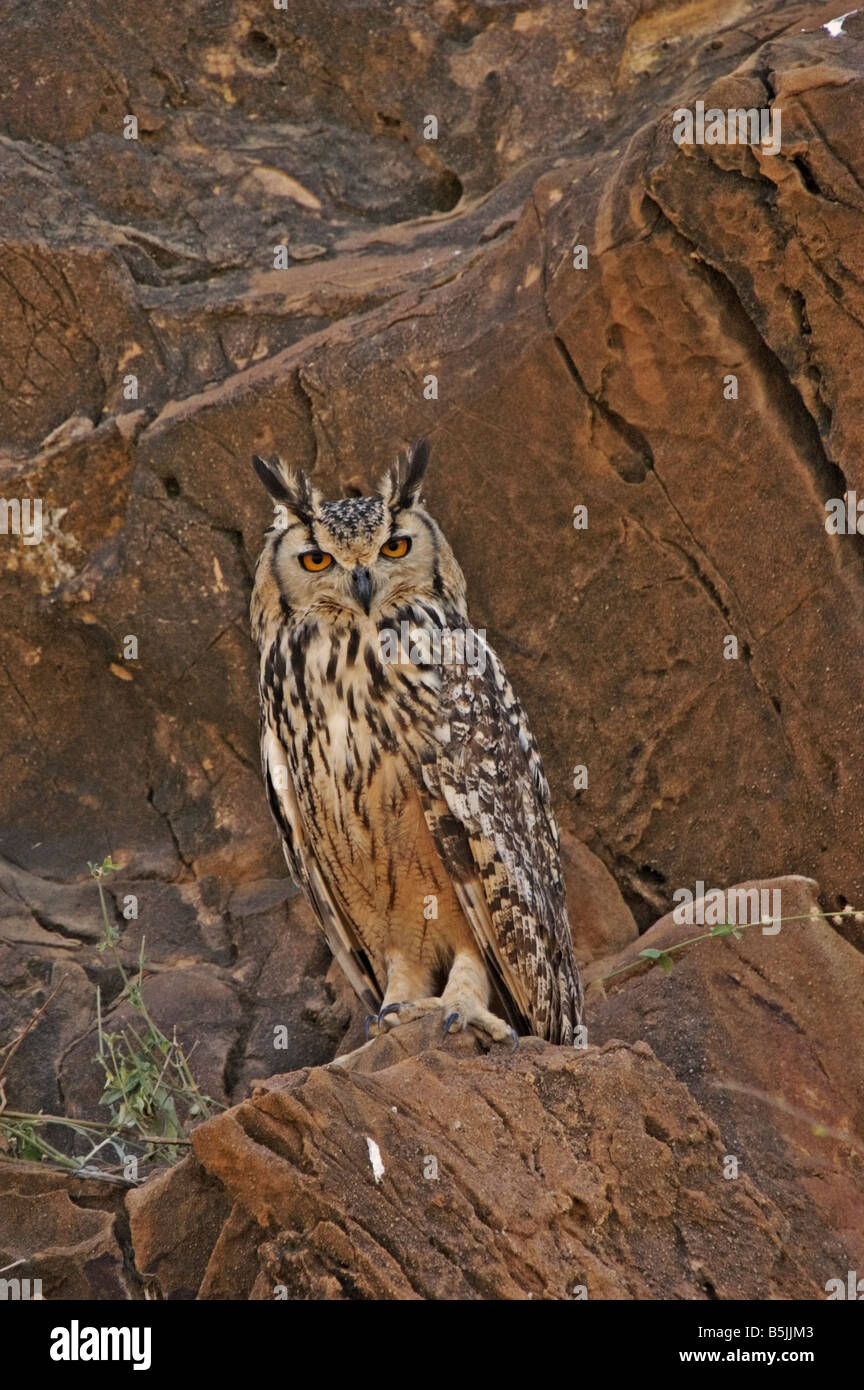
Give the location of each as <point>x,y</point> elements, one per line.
<point>315,560</point>
<point>396,547</point>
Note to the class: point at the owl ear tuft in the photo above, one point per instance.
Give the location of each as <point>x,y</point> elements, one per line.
<point>401,485</point>
<point>287,486</point>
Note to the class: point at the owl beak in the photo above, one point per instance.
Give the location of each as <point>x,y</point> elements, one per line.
<point>361,587</point>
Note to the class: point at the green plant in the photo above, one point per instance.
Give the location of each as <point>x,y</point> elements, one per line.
<point>149,1089</point>
<point>663,957</point>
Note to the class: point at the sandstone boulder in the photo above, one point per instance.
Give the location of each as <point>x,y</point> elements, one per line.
<point>430,1171</point>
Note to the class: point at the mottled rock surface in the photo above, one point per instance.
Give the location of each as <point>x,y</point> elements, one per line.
<point>551,1174</point>
<point>763,1033</point>
<point>704,1145</point>
<point>71,1233</point>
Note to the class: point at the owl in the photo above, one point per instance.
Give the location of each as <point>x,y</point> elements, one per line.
<point>400,769</point>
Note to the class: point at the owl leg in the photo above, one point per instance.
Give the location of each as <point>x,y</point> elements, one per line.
<point>466,999</point>
<point>406,980</point>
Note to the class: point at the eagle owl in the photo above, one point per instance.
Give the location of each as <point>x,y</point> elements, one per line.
<point>400,768</point>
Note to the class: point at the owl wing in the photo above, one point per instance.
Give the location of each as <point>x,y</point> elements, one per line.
<point>489,810</point>
<point>341,936</point>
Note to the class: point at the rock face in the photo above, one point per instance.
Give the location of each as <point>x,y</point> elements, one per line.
<point>68,1233</point>
<point>149,344</point>
<point>704,1145</point>
<point>549,1175</point>
<point>761,1034</point>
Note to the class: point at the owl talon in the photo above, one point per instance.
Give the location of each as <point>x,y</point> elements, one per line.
<point>388,1009</point>
<point>376,1019</point>
<point>493,1027</point>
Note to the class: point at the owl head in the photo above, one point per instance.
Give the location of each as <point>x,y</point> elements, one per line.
<point>358,555</point>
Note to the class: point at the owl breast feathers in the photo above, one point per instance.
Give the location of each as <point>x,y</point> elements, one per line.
<point>400,768</point>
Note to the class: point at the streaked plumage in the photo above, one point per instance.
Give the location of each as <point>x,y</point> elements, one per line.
<point>409,793</point>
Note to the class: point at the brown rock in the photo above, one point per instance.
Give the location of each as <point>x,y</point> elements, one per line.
<point>173,1255</point>
<point>69,1232</point>
<point>503,1177</point>
<point>761,1031</point>
<point>599,917</point>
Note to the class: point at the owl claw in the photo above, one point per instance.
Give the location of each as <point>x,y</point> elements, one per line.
<point>467,1014</point>
<point>376,1018</point>
<point>509,1035</point>
<point>388,1009</point>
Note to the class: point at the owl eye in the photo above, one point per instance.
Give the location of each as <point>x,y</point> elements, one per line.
<point>315,560</point>
<point>396,547</point>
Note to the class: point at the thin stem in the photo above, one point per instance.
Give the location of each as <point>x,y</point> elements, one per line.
<point>88,1124</point>
<point>712,935</point>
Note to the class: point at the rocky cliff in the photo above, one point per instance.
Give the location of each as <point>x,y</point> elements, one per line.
<point>276,254</point>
